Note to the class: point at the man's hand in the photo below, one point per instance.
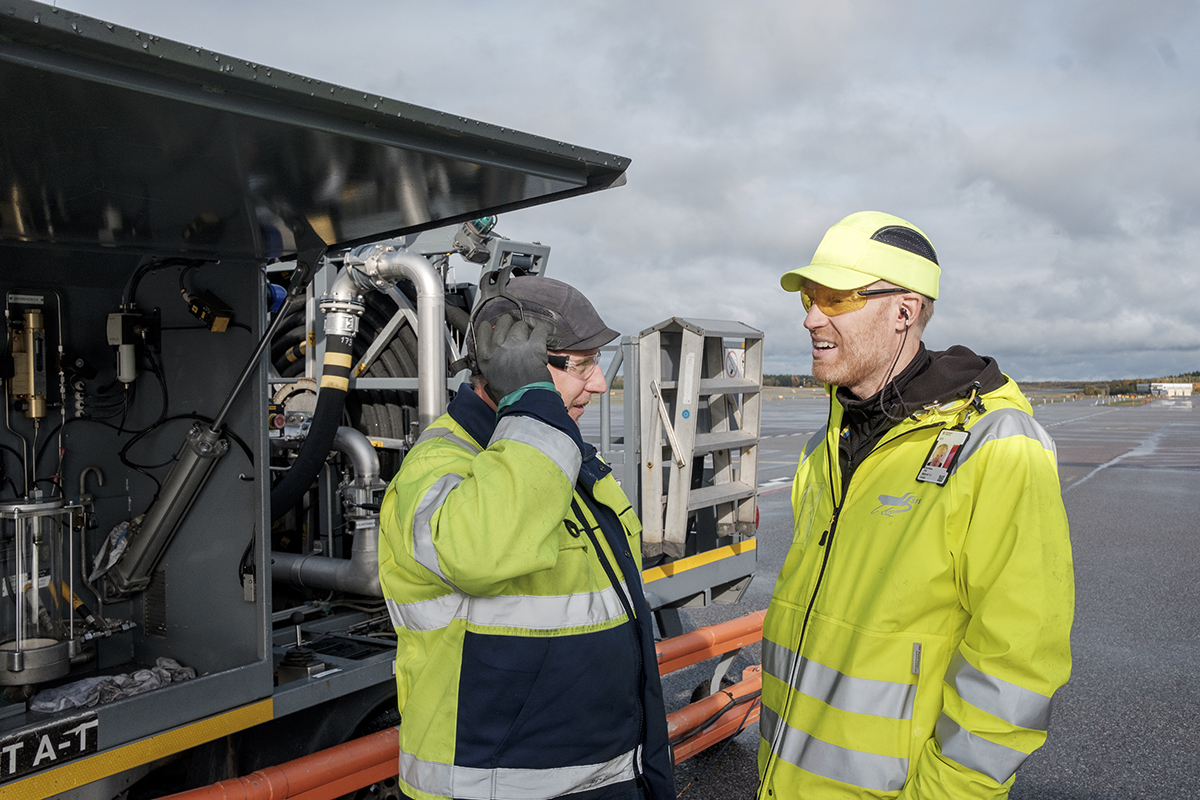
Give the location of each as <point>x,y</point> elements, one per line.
<point>511,354</point>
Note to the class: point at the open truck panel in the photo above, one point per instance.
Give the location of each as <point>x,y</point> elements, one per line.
<point>184,238</point>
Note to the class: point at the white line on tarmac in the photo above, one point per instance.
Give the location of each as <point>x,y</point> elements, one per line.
<point>1146,448</point>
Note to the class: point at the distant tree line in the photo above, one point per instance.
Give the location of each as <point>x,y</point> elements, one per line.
<point>794,381</point>
<point>1113,387</point>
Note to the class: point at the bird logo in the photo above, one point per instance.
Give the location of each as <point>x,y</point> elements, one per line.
<point>890,506</point>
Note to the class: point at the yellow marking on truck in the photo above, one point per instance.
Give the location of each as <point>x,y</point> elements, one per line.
<point>118,759</point>
<point>698,560</point>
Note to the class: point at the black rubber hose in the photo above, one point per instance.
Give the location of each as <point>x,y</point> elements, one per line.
<point>293,370</point>
<point>287,340</point>
<point>331,400</point>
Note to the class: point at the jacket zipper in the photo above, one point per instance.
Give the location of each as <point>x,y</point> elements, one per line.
<point>827,543</point>
<point>626,604</point>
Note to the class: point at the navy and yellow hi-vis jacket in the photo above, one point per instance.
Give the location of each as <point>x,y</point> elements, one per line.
<point>525,663</point>
<point>918,631</point>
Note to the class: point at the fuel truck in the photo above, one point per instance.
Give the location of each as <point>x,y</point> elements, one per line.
<point>233,299</point>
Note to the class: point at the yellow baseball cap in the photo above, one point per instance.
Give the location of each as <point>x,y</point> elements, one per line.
<point>871,246</point>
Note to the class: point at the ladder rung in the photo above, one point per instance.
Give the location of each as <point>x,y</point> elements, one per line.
<point>710,386</point>
<point>720,493</point>
<point>728,440</point>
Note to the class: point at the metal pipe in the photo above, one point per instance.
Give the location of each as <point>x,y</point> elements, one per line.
<point>358,574</point>
<point>606,407</point>
<point>357,447</point>
<point>383,266</point>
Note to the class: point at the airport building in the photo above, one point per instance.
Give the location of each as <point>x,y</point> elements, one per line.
<point>1166,389</point>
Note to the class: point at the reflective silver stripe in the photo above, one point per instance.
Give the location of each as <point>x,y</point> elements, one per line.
<point>1014,704</point>
<point>866,770</point>
<point>556,445</point>
<point>551,612</point>
<point>857,695</point>
<point>1004,423</point>
<point>423,550</point>
<point>812,444</point>
<point>450,436</point>
<point>974,752</point>
<point>474,783</point>
<point>394,612</point>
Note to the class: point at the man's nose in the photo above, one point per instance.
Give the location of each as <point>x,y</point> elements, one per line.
<point>596,383</point>
<point>816,318</point>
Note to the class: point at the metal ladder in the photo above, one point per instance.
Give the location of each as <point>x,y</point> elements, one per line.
<point>707,403</point>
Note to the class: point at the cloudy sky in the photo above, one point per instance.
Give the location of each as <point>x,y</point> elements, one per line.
<point>1050,150</point>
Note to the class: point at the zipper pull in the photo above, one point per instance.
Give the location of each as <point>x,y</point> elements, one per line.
<point>832,524</point>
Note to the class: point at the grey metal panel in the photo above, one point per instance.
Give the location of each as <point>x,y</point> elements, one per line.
<point>303,694</point>
<point>697,580</point>
<point>113,138</point>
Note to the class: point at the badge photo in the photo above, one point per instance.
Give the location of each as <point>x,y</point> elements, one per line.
<point>942,456</point>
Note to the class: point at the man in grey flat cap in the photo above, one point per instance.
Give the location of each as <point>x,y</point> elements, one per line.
<point>511,562</point>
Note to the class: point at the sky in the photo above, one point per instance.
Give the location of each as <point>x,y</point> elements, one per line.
<point>1049,150</point>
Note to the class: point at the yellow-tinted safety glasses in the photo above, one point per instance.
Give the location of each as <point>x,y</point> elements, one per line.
<point>839,301</point>
<point>581,366</point>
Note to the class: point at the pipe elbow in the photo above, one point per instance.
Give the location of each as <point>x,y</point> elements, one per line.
<point>394,264</point>
<point>355,445</point>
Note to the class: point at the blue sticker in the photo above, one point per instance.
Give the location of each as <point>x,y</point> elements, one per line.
<point>686,413</point>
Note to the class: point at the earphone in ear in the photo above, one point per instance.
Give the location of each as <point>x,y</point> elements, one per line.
<point>904,313</point>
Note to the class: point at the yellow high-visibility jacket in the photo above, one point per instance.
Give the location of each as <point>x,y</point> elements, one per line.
<point>917,632</point>
<point>525,666</point>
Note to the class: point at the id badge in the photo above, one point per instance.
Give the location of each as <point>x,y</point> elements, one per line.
<point>942,456</point>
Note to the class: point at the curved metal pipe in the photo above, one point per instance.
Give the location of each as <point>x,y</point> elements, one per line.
<point>353,444</point>
<point>358,574</point>
<point>385,265</point>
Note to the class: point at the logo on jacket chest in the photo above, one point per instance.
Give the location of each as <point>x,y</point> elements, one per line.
<point>890,506</point>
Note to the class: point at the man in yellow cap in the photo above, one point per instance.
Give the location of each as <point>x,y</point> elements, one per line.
<point>921,621</point>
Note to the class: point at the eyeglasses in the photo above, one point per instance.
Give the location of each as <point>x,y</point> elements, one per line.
<point>580,366</point>
<point>839,301</point>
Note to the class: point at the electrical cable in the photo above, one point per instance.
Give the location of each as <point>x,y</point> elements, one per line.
<point>724,747</point>
<point>157,369</point>
<point>198,417</point>
<point>708,723</point>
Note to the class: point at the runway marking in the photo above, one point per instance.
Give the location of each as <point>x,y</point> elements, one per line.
<point>1146,448</point>
<point>1077,419</point>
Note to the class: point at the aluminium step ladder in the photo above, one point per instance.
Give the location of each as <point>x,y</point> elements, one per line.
<point>707,400</point>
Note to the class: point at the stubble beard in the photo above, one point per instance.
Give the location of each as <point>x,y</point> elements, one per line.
<point>862,360</point>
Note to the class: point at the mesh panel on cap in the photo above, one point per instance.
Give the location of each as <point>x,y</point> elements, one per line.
<point>906,239</point>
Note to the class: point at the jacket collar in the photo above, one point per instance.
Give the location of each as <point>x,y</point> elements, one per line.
<point>475,416</point>
<point>479,421</point>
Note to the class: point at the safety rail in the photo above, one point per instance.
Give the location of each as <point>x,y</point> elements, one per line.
<point>347,767</point>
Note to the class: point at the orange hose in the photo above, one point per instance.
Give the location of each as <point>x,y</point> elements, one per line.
<point>731,721</point>
<point>342,769</point>
<point>321,776</point>
<point>704,643</point>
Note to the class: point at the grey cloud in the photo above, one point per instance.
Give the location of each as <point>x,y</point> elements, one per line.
<point>1049,150</point>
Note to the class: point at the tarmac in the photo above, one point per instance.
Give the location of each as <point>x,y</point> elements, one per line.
<point>1126,726</point>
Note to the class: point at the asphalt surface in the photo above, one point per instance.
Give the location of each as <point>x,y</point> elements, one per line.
<point>1126,725</point>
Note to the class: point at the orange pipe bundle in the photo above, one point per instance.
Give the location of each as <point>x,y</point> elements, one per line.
<point>321,776</point>
<point>740,715</point>
<point>708,642</point>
